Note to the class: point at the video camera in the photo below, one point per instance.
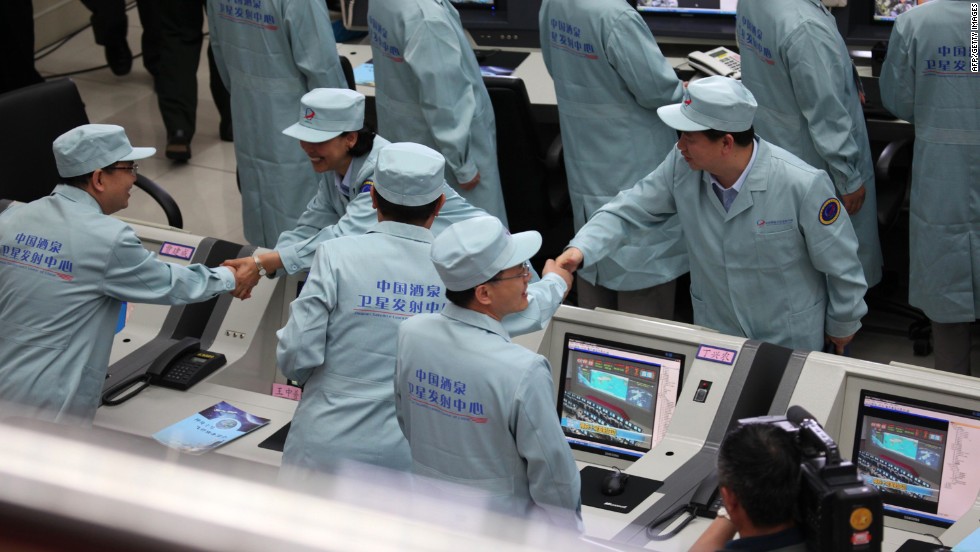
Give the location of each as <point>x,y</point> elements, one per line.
<point>837,511</point>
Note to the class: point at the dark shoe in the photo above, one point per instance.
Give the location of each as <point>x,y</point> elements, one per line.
<point>225,131</point>
<point>119,57</point>
<point>178,147</point>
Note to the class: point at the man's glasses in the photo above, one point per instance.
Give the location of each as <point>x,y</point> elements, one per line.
<point>133,169</point>
<point>525,272</point>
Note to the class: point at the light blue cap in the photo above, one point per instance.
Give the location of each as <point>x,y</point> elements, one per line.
<point>409,174</point>
<point>326,113</point>
<point>718,103</point>
<point>473,251</point>
<point>86,148</point>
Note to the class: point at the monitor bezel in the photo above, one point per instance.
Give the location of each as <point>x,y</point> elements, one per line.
<point>895,516</point>
<point>597,449</point>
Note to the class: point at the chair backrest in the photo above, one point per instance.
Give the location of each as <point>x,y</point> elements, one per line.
<point>520,155</point>
<point>32,118</point>
<point>348,72</point>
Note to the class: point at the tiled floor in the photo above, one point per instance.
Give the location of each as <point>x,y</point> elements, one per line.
<point>205,187</point>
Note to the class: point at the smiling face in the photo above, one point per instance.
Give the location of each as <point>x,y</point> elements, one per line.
<point>508,289</point>
<point>115,186</point>
<point>332,155</point>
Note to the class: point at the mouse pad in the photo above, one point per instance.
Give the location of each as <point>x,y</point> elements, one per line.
<point>913,545</point>
<point>637,490</point>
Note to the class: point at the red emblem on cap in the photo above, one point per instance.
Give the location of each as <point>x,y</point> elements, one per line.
<point>310,114</point>
<point>687,101</point>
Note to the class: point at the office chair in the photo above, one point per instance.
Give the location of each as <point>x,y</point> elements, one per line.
<point>33,117</point>
<point>532,174</point>
<point>893,176</point>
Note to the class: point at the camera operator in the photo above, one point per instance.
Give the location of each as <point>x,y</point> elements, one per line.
<point>759,479</point>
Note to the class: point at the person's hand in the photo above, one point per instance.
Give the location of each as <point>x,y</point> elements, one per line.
<point>551,267</point>
<point>246,276</point>
<point>570,259</point>
<point>471,184</point>
<point>853,201</point>
<point>840,342</point>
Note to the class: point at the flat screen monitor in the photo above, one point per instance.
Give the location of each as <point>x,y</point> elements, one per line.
<point>888,10</point>
<point>726,7</point>
<point>616,399</point>
<point>922,456</point>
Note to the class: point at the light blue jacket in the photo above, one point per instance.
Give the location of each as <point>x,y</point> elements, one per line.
<point>65,269</point>
<point>341,341</point>
<point>479,410</point>
<point>610,78</point>
<point>268,57</point>
<point>429,90</point>
<point>781,266</point>
<point>797,66</point>
<point>330,216</point>
<point>926,80</point>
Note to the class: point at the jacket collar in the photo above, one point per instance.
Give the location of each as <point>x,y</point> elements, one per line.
<point>475,319</point>
<point>398,229</point>
<point>77,195</point>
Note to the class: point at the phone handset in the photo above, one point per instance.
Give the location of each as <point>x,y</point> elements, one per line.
<point>720,61</point>
<point>705,502</point>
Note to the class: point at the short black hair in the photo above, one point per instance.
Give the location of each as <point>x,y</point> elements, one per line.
<point>365,141</point>
<point>416,214</point>
<point>743,138</point>
<point>761,465</point>
<point>461,298</point>
<point>81,180</point>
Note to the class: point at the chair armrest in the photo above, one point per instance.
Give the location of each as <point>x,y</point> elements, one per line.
<point>162,197</point>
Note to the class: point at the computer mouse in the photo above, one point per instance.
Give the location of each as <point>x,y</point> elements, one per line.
<point>614,483</point>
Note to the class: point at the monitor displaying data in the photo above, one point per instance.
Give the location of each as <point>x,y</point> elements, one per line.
<point>922,456</point>
<point>888,10</point>
<point>688,6</point>
<point>473,3</point>
<point>616,399</point>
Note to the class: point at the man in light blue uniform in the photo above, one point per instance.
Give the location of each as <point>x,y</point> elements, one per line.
<point>610,78</point>
<point>796,64</point>
<point>477,409</point>
<point>334,212</point>
<point>429,90</point>
<point>927,80</point>
<point>269,55</point>
<point>65,269</point>
<point>774,256</point>
<point>340,338</point>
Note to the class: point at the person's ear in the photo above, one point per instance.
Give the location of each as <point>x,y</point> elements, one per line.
<point>729,498</point>
<point>482,294</point>
<point>96,181</point>
<point>374,198</point>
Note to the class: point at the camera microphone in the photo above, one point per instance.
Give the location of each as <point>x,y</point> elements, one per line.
<point>796,415</point>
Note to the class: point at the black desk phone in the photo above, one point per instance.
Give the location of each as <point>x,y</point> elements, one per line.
<point>183,364</point>
<point>179,366</point>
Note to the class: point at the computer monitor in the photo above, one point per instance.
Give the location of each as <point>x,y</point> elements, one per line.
<point>690,21</point>
<point>888,10</point>
<point>688,6</point>
<point>616,399</point>
<point>921,455</point>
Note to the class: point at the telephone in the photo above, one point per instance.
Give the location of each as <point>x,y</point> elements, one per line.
<point>183,364</point>
<point>720,61</point>
<point>180,366</point>
<point>705,502</point>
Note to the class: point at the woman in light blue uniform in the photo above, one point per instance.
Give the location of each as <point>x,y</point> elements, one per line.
<point>796,64</point>
<point>65,269</point>
<point>610,78</point>
<point>429,90</point>
<point>346,158</point>
<point>927,80</point>
<point>268,57</point>
<point>341,335</point>
<point>779,263</point>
